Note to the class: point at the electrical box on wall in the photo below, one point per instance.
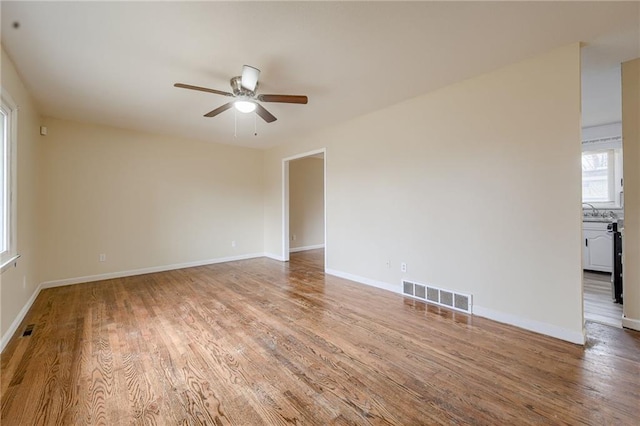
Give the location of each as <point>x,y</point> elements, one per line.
<point>43,130</point>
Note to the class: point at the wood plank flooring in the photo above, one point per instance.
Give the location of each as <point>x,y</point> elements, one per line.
<point>598,303</point>
<point>262,342</point>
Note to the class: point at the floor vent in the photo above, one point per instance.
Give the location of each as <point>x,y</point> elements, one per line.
<point>438,296</point>
<point>28,330</point>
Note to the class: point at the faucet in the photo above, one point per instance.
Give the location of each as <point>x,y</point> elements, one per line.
<point>594,212</point>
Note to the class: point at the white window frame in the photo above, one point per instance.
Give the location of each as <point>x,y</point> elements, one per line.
<point>10,110</point>
<point>611,166</point>
<point>615,172</point>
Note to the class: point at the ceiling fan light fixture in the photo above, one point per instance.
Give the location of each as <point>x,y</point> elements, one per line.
<point>245,106</point>
<point>244,89</point>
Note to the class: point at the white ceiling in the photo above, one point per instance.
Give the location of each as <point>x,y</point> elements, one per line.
<point>115,63</point>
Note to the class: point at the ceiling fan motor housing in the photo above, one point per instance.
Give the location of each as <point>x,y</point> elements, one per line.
<point>239,91</point>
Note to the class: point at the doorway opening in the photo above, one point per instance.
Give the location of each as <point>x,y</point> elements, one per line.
<point>304,203</point>
<point>602,219</point>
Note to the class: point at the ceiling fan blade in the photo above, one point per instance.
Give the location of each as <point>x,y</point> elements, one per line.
<point>264,114</point>
<point>220,109</point>
<point>289,99</point>
<point>202,89</point>
<point>250,77</point>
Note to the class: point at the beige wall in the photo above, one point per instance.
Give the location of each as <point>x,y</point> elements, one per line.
<point>306,202</point>
<point>475,186</point>
<point>19,284</point>
<point>631,147</point>
<point>145,201</point>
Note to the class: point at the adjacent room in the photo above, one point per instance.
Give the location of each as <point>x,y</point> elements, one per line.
<point>320,213</point>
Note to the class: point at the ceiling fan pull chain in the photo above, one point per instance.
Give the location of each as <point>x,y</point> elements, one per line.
<point>255,125</point>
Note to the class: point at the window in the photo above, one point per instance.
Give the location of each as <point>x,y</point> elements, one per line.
<point>8,127</point>
<point>602,177</point>
<point>597,176</point>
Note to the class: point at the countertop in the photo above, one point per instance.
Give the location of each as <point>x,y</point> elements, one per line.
<point>599,219</point>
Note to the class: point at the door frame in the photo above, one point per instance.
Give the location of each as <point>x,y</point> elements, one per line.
<point>285,200</point>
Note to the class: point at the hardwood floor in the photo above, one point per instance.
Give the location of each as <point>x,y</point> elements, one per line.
<point>261,342</point>
<point>598,303</point>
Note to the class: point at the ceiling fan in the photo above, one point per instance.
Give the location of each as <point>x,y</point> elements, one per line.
<point>244,89</point>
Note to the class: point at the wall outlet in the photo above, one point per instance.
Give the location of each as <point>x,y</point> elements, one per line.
<point>233,243</point>
<point>293,237</point>
<point>102,257</point>
<point>403,267</point>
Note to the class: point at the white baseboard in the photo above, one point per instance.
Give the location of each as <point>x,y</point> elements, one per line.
<point>133,272</point>
<point>531,325</point>
<point>363,280</point>
<point>305,248</point>
<point>525,323</point>
<point>275,257</point>
<point>631,323</point>
<point>16,322</point>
